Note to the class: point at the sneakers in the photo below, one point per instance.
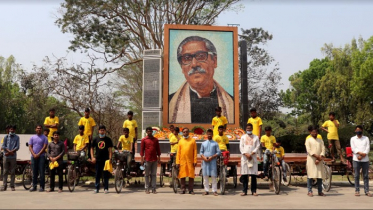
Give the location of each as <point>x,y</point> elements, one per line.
<point>106,191</point>
<point>95,191</point>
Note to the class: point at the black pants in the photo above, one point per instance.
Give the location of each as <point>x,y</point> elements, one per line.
<point>59,172</point>
<point>245,183</point>
<point>100,164</point>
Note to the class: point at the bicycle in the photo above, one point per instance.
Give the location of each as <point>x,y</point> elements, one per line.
<point>175,174</point>
<point>274,173</point>
<point>121,162</point>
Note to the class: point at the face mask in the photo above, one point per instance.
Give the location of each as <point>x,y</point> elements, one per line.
<point>10,133</point>
<point>101,135</point>
<point>359,133</point>
<point>249,132</point>
<point>186,137</point>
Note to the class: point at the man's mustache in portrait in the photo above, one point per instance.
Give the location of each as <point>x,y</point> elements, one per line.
<point>197,69</point>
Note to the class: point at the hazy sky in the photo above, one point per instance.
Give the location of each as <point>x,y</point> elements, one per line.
<point>300,29</point>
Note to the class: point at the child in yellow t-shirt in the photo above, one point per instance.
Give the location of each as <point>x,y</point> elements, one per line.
<point>218,120</point>
<point>280,156</point>
<point>267,141</point>
<point>81,141</point>
<point>174,141</point>
<point>222,139</point>
<point>126,140</point>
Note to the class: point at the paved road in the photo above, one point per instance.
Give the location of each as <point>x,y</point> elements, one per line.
<point>341,196</point>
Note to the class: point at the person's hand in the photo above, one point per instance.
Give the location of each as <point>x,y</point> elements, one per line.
<point>93,160</point>
<point>177,165</point>
<point>359,157</point>
<point>194,164</point>
<point>36,156</point>
<point>159,159</point>
<point>142,163</point>
<point>317,162</point>
<point>363,154</point>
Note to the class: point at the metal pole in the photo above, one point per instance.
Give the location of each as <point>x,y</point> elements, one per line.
<point>244,87</point>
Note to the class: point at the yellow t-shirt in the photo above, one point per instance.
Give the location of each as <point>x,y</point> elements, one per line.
<point>222,141</point>
<point>173,139</point>
<point>51,121</point>
<point>126,142</point>
<point>281,152</point>
<point>333,130</point>
<point>49,139</point>
<point>218,121</point>
<point>268,141</point>
<point>131,125</point>
<point>88,124</point>
<point>80,141</point>
<point>256,122</point>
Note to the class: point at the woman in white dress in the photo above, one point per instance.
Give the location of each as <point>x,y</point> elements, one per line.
<point>249,146</point>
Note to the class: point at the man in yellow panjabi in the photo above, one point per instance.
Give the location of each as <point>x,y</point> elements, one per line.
<point>51,122</point>
<point>218,120</point>
<point>222,139</point>
<point>332,126</point>
<point>186,160</point>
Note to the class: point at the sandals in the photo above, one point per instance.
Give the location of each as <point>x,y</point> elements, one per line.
<point>243,194</point>
<point>255,194</point>
<point>310,194</point>
<point>191,192</point>
<point>216,194</point>
<point>369,195</point>
<point>182,192</point>
<point>205,193</point>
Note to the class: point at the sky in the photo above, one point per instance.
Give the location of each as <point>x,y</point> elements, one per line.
<point>300,28</point>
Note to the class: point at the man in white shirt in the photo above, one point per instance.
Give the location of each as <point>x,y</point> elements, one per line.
<point>360,146</point>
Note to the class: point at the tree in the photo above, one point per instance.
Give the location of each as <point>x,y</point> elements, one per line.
<point>119,30</point>
<point>303,94</point>
<point>263,77</point>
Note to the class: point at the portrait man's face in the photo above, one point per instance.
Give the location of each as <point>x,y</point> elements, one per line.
<point>195,52</point>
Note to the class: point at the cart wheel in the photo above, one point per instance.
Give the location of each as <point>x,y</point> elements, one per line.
<point>175,180</point>
<point>234,176</point>
<point>351,176</point>
<point>223,178</point>
<point>27,177</point>
<point>161,174</point>
<point>73,177</point>
<point>276,179</point>
<point>119,180</point>
<point>327,182</point>
<point>287,175</point>
<point>201,175</point>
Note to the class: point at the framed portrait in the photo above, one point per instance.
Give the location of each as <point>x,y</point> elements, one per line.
<point>200,74</point>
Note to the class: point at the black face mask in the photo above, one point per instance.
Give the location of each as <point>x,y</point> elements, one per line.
<point>359,133</point>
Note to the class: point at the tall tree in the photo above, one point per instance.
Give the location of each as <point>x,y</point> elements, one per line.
<point>119,30</point>
<point>263,75</point>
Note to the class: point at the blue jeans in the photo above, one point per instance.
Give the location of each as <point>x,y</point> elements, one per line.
<point>38,168</point>
<point>283,165</point>
<point>267,153</point>
<point>365,169</point>
<point>319,185</point>
<point>100,164</point>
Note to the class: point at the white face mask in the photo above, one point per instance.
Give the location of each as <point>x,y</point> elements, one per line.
<point>249,132</point>
<point>187,137</point>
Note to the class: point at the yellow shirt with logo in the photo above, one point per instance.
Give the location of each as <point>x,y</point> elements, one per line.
<point>80,141</point>
<point>51,121</point>
<point>333,130</point>
<point>131,125</point>
<point>268,141</point>
<point>256,122</point>
<point>218,121</point>
<point>88,124</point>
<point>222,141</point>
<point>280,152</point>
<point>126,142</point>
<point>173,139</point>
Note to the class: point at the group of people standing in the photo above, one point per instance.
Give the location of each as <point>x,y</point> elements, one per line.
<point>183,152</point>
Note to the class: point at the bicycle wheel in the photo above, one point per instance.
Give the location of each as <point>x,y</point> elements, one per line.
<point>287,175</point>
<point>119,181</point>
<point>223,178</point>
<point>234,173</point>
<point>175,180</point>
<point>27,177</point>
<point>327,182</point>
<point>351,176</point>
<point>161,173</point>
<point>72,178</point>
<point>276,179</point>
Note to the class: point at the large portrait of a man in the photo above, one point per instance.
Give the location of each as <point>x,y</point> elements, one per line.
<point>200,74</point>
